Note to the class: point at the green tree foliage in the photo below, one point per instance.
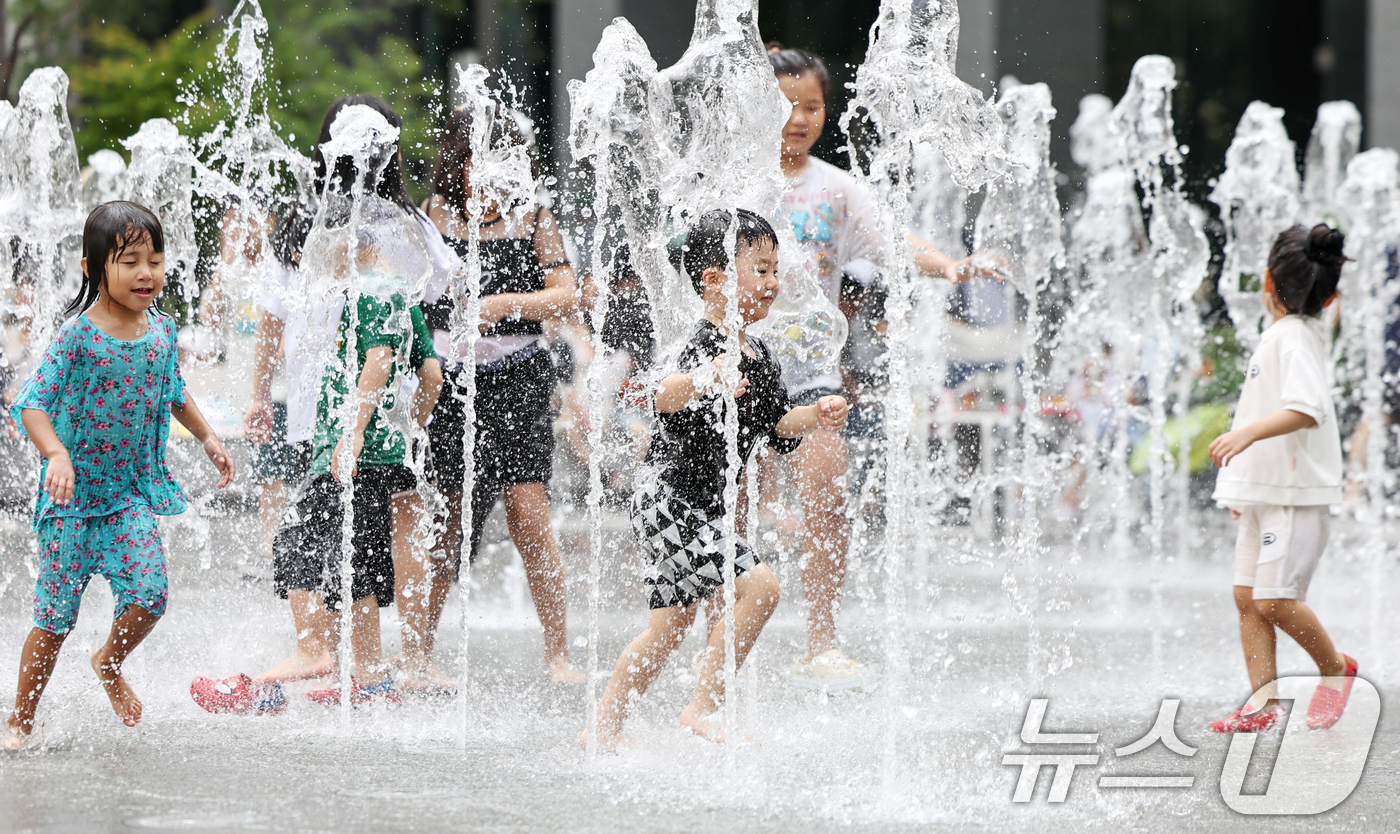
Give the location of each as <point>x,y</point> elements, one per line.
<point>318,51</point>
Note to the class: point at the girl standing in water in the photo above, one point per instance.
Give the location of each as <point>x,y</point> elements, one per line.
<point>525,281</point>
<point>97,408</point>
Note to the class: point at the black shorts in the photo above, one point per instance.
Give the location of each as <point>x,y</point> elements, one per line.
<point>684,545</point>
<point>307,548</point>
<point>514,424</point>
<point>278,460</point>
<point>514,431</point>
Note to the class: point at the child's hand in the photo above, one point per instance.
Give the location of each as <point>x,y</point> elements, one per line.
<point>336,465</point>
<point>1224,448</point>
<point>1234,515</point>
<point>712,382</point>
<point>257,421</point>
<point>59,478</point>
<point>221,460</point>
<point>832,412</point>
<point>493,309</point>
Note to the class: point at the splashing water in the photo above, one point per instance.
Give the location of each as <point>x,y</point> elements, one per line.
<point>1335,140</point>
<point>1258,196</point>
<point>908,91</point>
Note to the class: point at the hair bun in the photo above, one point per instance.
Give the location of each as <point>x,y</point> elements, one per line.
<point>1325,245</point>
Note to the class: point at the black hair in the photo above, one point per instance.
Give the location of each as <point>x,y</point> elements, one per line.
<point>1306,265</point>
<point>339,179</point>
<point>109,230</point>
<point>798,62</point>
<point>455,152</point>
<point>704,243</point>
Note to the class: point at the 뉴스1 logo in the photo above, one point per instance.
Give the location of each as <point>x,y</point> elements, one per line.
<point>1269,538</point>
<point>1314,770</point>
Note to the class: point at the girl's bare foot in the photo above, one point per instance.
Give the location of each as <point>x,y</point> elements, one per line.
<point>561,670</point>
<point>421,677</point>
<point>124,701</point>
<point>14,737</point>
<point>702,728</point>
<point>299,666</point>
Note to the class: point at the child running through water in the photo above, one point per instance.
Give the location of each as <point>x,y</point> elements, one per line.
<point>1280,467</point>
<point>678,508</point>
<point>96,409</point>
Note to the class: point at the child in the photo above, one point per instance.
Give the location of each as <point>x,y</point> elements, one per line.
<point>283,328</point>
<point>835,222</point>
<point>1281,466</point>
<point>96,409</point>
<point>526,280</point>
<point>678,508</point>
<point>367,455</point>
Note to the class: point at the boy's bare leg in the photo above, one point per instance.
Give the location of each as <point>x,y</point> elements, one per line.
<point>128,630</point>
<point>1298,621</point>
<point>637,669</point>
<point>821,463</point>
<point>527,515</point>
<point>35,667</point>
<point>414,580</point>
<point>755,598</point>
<point>367,654</point>
<point>315,629</point>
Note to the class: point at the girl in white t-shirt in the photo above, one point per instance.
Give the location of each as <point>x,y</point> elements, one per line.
<point>835,223</point>
<point>1280,467</point>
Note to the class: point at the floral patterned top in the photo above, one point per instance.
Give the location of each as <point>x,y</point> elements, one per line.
<point>109,401</point>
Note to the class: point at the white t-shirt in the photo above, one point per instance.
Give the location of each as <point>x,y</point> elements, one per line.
<point>1288,370</point>
<point>303,363</point>
<point>834,221</point>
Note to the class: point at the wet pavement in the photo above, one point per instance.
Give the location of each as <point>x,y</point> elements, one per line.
<point>816,763</point>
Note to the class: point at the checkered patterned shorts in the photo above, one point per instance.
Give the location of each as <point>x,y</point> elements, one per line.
<point>685,546</point>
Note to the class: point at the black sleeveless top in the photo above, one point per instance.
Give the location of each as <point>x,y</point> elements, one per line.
<point>508,265</point>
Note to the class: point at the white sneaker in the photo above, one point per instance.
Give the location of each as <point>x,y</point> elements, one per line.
<point>831,670</point>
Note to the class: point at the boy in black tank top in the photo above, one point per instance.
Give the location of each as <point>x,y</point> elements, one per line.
<point>678,509</point>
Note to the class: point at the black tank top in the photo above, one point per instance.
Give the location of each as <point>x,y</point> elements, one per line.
<point>507,265</point>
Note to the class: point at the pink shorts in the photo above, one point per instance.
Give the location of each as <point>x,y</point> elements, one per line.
<point>1278,548</point>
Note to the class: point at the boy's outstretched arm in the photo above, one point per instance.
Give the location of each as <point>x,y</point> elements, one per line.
<point>59,478</point>
<point>678,390</point>
<point>828,413</point>
<point>192,418</point>
<point>1224,448</point>
<point>374,377</point>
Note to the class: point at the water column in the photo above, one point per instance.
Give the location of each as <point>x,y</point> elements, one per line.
<point>609,132</point>
<point>1098,341</point>
<point>1335,140</point>
<point>1259,196</point>
<point>1370,196</point>
<point>44,210</point>
<point>1177,258</point>
<point>908,90</point>
<point>501,174</point>
<point>1018,230</point>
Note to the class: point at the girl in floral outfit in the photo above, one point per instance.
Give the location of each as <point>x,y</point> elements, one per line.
<point>96,409</point>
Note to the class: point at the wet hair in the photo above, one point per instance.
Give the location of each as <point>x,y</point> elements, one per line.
<point>1306,265</point>
<point>109,230</point>
<point>339,178</point>
<point>798,62</point>
<point>455,152</point>
<point>704,243</point>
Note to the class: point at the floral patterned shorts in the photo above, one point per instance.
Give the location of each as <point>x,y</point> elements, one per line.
<point>124,547</point>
